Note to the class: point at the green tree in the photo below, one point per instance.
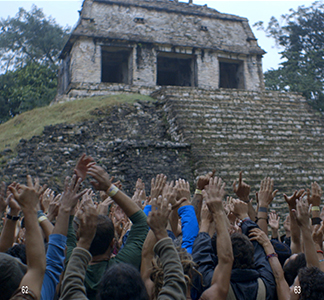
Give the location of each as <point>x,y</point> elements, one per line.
<point>302,39</point>
<point>31,86</point>
<point>30,36</point>
<point>30,44</point>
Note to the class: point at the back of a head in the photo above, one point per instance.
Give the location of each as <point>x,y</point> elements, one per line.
<point>311,283</point>
<point>104,235</point>
<point>11,273</point>
<point>243,251</point>
<point>292,267</point>
<point>122,282</point>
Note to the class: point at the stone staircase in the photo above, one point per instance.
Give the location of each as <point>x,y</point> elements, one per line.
<point>261,133</point>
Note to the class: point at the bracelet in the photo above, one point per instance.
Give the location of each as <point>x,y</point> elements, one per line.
<point>321,260</point>
<point>40,213</point>
<point>274,254</point>
<point>315,208</point>
<point>112,191</point>
<point>198,192</point>
<point>41,219</point>
<point>261,218</point>
<point>240,223</point>
<point>263,209</point>
<point>316,221</point>
<point>13,218</point>
<point>320,251</point>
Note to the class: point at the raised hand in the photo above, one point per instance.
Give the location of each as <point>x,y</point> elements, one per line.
<point>317,235</point>
<point>259,235</point>
<point>274,221</point>
<point>314,197</point>
<point>183,188</point>
<point>53,207</point>
<point>88,225</point>
<point>103,206</point>
<point>242,190</point>
<point>13,205</point>
<point>81,167</point>
<point>157,185</point>
<point>204,180</point>
<point>302,213</point>
<point>239,208</point>
<point>102,180</point>
<point>70,195</point>
<point>206,215</point>
<point>291,200</point>
<point>266,193</point>
<point>214,194</point>
<point>26,196</point>
<point>45,199</point>
<point>159,216</point>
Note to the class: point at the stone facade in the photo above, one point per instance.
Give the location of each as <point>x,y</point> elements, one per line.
<point>158,43</point>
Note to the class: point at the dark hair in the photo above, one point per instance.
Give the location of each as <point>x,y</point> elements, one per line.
<point>18,251</point>
<point>293,266</point>
<point>311,283</point>
<point>243,251</point>
<point>122,282</point>
<point>104,235</point>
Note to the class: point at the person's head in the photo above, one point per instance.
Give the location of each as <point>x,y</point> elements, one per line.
<point>283,251</point>
<point>243,251</point>
<point>19,251</point>
<point>188,267</point>
<point>12,270</point>
<point>104,235</point>
<point>292,265</point>
<point>308,285</point>
<point>122,282</point>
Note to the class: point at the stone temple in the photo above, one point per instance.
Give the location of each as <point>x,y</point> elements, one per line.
<point>153,43</point>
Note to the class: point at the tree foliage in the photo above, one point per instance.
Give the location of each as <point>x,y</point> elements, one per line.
<point>25,88</point>
<point>30,44</point>
<point>301,37</point>
<point>30,36</point>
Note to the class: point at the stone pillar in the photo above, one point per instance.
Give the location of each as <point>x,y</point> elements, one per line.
<point>85,61</point>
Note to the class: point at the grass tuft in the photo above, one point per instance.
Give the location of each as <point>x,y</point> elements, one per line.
<point>31,123</point>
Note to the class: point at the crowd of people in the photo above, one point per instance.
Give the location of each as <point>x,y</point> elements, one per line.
<point>101,244</point>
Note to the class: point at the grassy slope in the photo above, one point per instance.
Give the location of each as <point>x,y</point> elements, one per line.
<point>32,122</point>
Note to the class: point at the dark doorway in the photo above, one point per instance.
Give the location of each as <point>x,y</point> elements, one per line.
<point>115,66</point>
<point>173,69</point>
<point>231,75</point>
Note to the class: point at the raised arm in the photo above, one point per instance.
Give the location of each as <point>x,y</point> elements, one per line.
<point>265,196</point>
<point>198,198</point>
<point>282,287</point>
<point>222,273</point>
<point>294,228</point>
<point>102,183</point>
<point>174,284</point>
<point>73,281</point>
<point>7,237</point>
<point>301,215</point>
<point>242,190</point>
<point>27,197</point>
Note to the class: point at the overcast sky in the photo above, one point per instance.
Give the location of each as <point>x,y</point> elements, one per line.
<point>66,13</point>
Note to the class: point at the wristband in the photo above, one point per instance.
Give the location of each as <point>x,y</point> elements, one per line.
<point>12,218</point>
<point>320,251</point>
<point>263,209</point>
<point>260,218</point>
<point>272,255</point>
<point>40,213</point>
<point>112,191</point>
<point>240,223</point>
<point>321,260</point>
<point>41,219</point>
<point>198,192</point>
<point>316,221</point>
<point>315,208</point>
